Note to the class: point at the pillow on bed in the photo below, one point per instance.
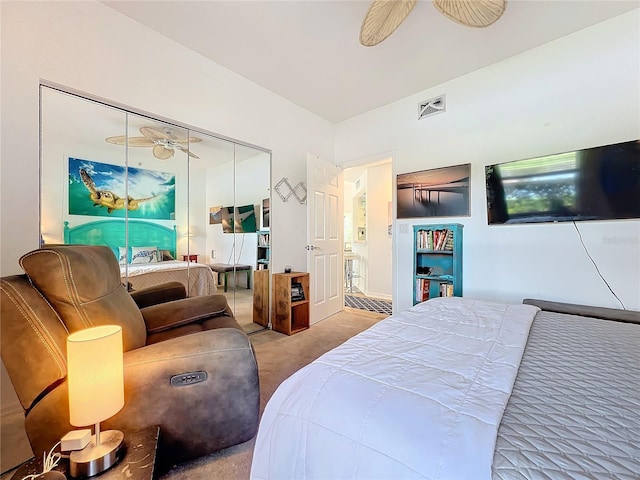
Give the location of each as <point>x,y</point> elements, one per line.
<point>144,255</point>
<point>165,256</point>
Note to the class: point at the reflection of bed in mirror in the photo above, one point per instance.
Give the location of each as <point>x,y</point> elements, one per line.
<point>146,252</point>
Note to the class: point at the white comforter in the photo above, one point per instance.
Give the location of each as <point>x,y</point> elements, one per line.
<point>418,395</point>
<point>197,278</point>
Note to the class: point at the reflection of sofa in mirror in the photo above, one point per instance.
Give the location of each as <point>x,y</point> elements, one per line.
<point>71,287</point>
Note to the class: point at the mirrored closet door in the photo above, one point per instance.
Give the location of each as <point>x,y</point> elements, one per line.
<point>173,203</point>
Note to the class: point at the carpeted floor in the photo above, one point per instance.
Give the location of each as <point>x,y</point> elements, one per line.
<point>279,356</point>
<point>369,304</point>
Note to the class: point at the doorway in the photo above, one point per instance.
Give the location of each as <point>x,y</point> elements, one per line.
<point>367,236</point>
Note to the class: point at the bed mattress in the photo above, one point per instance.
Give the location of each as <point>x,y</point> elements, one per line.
<point>574,411</point>
<point>408,398</point>
<point>197,278</point>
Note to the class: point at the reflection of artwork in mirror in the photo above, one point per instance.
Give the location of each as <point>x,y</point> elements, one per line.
<point>440,192</point>
<point>215,215</point>
<point>265,215</point>
<point>226,214</point>
<point>239,219</point>
<point>100,189</point>
<point>246,219</point>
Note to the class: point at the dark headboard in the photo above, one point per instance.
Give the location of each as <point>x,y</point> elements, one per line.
<point>119,233</point>
<point>628,316</point>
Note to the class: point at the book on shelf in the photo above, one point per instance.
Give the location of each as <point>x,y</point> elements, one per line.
<point>297,292</point>
<point>422,289</point>
<point>446,289</point>
<point>263,240</point>
<point>435,240</point>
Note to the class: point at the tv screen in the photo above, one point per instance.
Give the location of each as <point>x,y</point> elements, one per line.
<point>600,183</point>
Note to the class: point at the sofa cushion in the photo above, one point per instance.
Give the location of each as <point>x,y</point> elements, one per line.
<point>192,310</point>
<point>82,283</point>
<point>33,339</point>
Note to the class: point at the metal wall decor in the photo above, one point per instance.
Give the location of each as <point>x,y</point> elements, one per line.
<point>299,191</point>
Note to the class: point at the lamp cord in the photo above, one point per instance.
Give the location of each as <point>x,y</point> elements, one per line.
<point>596,266</point>
<point>233,248</point>
<point>49,462</point>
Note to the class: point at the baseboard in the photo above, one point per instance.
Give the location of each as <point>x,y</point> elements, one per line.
<point>379,296</point>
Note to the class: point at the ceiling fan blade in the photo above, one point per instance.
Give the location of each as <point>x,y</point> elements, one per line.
<point>162,153</point>
<point>187,141</point>
<point>119,140</point>
<point>140,142</point>
<point>185,150</point>
<point>382,19</point>
<point>131,141</point>
<point>153,134</point>
<point>472,13</point>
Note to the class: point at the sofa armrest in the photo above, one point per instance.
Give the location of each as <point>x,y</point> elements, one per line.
<point>162,293</point>
<point>166,316</point>
<point>195,419</point>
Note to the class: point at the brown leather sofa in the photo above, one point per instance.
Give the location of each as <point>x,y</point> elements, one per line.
<point>70,287</point>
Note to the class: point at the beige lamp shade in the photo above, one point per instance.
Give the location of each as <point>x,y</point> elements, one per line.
<point>95,374</point>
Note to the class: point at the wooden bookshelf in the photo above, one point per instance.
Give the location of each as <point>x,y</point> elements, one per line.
<point>289,316</point>
<point>437,261</point>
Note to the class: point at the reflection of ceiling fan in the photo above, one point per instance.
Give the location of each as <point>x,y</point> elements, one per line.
<point>384,16</point>
<point>164,143</point>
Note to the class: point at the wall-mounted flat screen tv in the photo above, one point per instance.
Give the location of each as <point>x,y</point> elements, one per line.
<point>600,183</point>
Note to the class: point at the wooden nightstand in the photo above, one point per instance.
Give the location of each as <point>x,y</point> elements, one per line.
<point>190,258</point>
<point>290,302</point>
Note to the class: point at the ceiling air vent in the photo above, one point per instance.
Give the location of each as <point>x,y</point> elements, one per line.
<point>431,107</point>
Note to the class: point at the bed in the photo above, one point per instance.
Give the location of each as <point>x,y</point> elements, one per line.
<point>455,388</point>
<point>146,252</point>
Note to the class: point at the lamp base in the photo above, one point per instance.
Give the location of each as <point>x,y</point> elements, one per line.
<point>94,459</point>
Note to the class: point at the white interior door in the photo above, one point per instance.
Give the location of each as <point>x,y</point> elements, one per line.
<point>324,237</point>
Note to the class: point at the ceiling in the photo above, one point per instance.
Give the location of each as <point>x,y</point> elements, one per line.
<point>81,125</point>
<point>308,51</point>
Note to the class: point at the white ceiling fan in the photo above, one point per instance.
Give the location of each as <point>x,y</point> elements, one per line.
<point>164,143</point>
<point>384,16</point>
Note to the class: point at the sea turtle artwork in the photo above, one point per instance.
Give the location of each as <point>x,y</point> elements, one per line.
<point>108,199</point>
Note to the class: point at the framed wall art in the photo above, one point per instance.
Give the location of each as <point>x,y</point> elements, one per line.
<point>438,192</point>
<point>103,190</point>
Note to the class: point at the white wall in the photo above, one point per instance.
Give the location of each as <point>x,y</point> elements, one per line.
<point>576,92</point>
<point>379,243</point>
<point>251,187</point>
<point>91,48</point>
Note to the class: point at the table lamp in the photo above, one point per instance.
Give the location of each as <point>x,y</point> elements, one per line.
<point>96,393</point>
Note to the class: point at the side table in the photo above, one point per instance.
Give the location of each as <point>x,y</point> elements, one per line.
<point>138,462</point>
<point>190,258</point>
